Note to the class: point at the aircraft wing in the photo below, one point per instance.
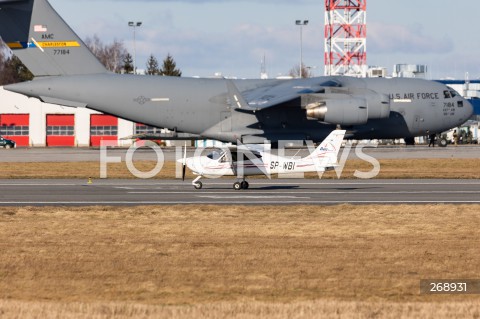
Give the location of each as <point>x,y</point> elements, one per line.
<point>278,92</point>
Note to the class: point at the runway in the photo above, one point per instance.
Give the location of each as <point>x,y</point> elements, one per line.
<point>220,192</point>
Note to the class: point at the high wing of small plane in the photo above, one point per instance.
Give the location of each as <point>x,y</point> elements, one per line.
<point>249,160</point>
<point>236,111</point>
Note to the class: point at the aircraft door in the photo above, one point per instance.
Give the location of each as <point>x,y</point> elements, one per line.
<point>226,120</point>
<point>416,122</point>
<point>231,158</point>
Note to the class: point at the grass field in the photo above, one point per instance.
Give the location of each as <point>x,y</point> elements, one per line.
<point>404,168</point>
<point>236,262</point>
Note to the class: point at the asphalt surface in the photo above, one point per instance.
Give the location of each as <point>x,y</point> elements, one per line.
<point>220,191</point>
<point>261,192</point>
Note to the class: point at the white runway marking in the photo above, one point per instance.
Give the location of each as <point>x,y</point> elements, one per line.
<point>42,185</point>
<point>253,196</point>
<point>257,191</point>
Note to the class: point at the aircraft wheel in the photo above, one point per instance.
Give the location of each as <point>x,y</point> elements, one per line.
<point>198,185</point>
<point>244,185</point>
<point>8,146</point>
<point>442,142</point>
<point>237,186</point>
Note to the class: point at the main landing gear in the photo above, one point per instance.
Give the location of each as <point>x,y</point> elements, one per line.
<point>240,185</point>
<point>236,186</point>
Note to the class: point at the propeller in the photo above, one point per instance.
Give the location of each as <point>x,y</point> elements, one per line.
<point>184,161</point>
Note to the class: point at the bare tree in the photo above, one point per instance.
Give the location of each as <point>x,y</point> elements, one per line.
<point>306,72</point>
<point>4,75</point>
<point>2,59</point>
<point>112,55</point>
<point>12,70</point>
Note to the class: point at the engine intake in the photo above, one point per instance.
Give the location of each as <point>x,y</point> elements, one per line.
<point>343,112</point>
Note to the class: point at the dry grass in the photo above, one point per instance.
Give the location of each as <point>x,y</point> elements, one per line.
<point>211,261</point>
<point>243,310</point>
<point>402,168</point>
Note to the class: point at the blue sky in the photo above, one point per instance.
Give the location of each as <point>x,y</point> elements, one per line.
<point>231,36</point>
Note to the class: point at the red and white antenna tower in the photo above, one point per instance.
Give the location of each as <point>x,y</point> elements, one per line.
<point>346,37</point>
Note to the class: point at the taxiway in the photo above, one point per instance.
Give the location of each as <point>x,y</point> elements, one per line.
<point>171,153</point>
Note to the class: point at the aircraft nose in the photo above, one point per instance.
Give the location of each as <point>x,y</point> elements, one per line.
<point>465,112</point>
<point>469,110</point>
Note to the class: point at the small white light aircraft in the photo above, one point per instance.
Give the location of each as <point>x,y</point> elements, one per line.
<point>250,160</point>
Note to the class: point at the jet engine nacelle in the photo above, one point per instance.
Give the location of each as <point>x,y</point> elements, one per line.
<point>343,112</point>
<point>378,105</point>
<point>353,108</point>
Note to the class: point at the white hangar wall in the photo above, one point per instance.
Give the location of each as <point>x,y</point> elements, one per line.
<point>33,123</point>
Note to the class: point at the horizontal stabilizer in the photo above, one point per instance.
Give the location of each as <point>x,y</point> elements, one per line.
<point>236,98</point>
<point>52,100</point>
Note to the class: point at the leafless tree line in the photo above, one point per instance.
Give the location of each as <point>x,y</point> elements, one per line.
<point>12,69</point>
<point>112,55</point>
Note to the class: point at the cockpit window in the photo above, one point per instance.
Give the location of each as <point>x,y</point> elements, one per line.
<point>448,94</point>
<point>214,155</point>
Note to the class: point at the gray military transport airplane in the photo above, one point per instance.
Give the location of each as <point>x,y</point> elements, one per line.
<point>249,111</point>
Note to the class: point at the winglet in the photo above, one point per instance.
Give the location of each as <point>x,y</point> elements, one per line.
<point>236,98</point>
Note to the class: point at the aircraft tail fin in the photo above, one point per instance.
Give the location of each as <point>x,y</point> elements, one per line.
<point>326,154</point>
<point>42,40</point>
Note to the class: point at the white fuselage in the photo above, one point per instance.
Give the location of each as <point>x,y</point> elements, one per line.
<point>264,164</point>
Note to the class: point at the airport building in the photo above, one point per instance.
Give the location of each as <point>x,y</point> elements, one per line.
<point>410,71</point>
<point>30,122</point>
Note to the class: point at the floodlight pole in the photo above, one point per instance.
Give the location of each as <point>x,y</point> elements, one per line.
<point>135,25</point>
<point>301,24</point>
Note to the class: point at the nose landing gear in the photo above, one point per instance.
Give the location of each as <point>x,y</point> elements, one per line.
<point>196,183</point>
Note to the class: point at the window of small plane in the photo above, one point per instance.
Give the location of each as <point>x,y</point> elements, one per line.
<point>214,155</point>
<point>245,158</point>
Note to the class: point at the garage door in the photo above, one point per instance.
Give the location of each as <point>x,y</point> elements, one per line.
<point>103,128</point>
<point>61,130</point>
<point>16,127</point>
<point>149,131</point>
